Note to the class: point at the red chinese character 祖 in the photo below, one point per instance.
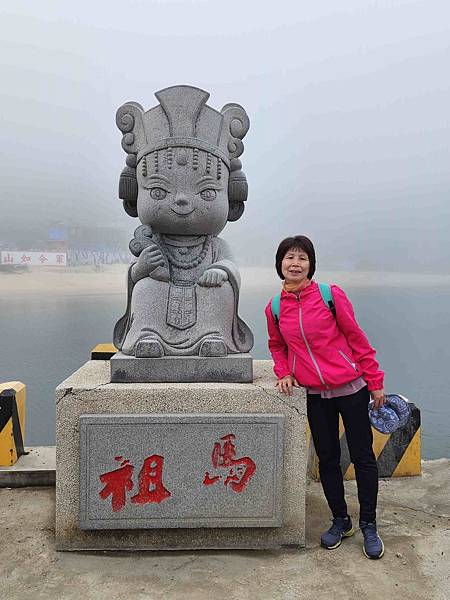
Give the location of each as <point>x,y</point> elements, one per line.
<point>119,481</point>
<point>25,258</point>
<point>151,475</point>
<point>116,483</point>
<point>240,470</point>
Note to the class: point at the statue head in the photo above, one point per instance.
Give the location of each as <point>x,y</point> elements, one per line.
<point>183,174</point>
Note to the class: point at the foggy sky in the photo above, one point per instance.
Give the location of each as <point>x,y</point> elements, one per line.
<point>348,102</point>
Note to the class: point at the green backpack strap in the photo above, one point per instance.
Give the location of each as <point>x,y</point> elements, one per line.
<point>325,292</point>
<point>327,297</point>
<point>275,307</point>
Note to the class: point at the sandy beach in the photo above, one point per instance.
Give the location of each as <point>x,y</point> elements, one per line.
<point>111,279</point>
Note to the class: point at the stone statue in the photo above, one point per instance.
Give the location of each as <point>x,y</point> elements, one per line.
<point>183,180</point>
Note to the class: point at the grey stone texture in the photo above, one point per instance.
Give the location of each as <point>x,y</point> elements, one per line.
<point>182,470</point>
<point>184,181</point>
<point>233,368</point>
<point>89,392</point>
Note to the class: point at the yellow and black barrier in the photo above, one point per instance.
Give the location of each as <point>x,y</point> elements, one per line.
<point>397,454</point>
<point>12,422</point>
<point>103,351</point>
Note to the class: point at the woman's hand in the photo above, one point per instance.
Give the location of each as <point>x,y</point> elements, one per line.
<point>378,398</point>
<point>286,384</point>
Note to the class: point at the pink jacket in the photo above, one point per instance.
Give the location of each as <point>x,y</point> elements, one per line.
<point>319,350</point>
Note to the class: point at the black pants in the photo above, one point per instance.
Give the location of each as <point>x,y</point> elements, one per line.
<point>323,417</point>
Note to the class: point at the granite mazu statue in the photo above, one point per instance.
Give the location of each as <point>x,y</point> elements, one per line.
<point>183,180</point>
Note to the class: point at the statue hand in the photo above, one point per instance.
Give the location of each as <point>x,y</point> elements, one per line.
<point>213,278</point>
<point>149,260</point>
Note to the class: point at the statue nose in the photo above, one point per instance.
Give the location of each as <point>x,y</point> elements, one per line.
<point>181,200</point>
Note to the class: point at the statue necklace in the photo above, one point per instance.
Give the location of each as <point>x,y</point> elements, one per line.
<point>189,263</point>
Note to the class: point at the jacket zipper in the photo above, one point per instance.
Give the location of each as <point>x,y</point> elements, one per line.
<point>348,360</point>
<point>306,342</point>
<point>293,364</point>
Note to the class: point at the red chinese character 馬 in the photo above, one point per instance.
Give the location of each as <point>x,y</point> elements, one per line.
<point>240,470</point>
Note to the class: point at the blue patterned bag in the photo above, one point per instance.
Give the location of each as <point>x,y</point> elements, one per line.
<point>393,415</point>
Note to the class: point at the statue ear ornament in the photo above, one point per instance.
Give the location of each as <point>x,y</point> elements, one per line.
<point>128,190</point>
<point>235,211</point>
<point>237,186</point>
<point>237,190</point>
<point>131,160</point>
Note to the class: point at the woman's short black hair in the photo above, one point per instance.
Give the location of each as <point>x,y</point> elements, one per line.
<point>297,242</point>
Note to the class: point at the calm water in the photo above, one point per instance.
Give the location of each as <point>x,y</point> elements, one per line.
<point>44,340</point>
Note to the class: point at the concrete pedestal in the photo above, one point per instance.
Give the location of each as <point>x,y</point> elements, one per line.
<point>151,466</point>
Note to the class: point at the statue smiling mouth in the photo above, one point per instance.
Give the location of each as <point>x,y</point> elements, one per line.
<point>183,211</point>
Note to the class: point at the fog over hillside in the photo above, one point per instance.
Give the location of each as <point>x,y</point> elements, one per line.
<point>348,102</point>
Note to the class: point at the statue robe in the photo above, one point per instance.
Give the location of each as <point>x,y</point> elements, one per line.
<point>181,314</point>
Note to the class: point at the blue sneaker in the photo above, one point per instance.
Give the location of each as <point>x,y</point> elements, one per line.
<point>341,528</point>
<point>373,545</point>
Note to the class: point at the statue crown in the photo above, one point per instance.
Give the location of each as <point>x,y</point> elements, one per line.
<point>183,119</point>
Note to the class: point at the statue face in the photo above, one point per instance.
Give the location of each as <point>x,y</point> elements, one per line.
<point>180,192</point>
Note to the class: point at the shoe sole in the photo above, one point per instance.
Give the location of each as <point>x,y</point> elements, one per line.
<point>375,557</point>
<point>347,534</point>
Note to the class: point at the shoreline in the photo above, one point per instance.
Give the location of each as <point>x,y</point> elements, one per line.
<point>111,280</point>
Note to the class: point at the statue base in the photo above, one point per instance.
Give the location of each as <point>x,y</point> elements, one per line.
<point>234,368</point>
<point>178,466</point>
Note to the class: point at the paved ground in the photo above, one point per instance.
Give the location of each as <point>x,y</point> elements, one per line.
<point>414,519</point>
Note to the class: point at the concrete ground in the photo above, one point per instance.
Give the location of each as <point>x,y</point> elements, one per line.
<point>414,521</point>
<point>36,467</point>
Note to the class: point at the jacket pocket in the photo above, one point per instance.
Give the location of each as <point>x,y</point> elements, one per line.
<point>352,364</point>
<point>294,360</point>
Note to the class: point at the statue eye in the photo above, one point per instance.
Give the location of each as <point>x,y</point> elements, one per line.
<point>208,194</point>
<point>158,193</point>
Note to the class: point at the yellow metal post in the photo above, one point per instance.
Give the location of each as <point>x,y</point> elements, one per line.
<point>12,422</point>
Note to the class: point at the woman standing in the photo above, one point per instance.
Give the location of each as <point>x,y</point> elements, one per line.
<point>323,349</point>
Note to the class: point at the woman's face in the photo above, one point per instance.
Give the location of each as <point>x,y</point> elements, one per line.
<point>295,266</point>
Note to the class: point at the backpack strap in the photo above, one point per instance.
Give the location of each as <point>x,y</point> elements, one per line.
<point>275,307</point>
<point>327,297</point>
<point>325,292</point>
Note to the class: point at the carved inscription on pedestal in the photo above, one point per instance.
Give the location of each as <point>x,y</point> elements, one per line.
<point>158,471</point>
